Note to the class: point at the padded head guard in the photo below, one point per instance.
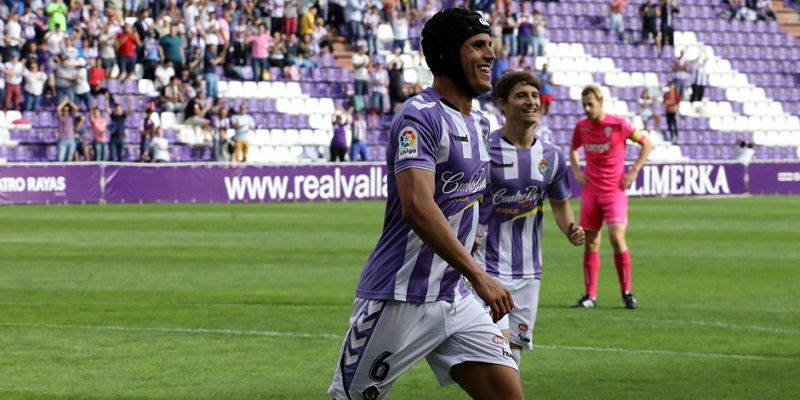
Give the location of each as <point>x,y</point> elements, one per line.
<point>442,38</point>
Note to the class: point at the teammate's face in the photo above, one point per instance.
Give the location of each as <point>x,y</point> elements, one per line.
<point>476,60</point>
<point>592,106</point>
<point>523,104</point>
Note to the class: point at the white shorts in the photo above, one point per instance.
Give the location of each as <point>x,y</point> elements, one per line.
<point>387,338</point>
<point>522,318</point>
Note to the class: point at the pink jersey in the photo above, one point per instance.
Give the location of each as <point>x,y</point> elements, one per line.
<point>604,146</point>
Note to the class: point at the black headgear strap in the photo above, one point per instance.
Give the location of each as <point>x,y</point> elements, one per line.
<point>442,38</point>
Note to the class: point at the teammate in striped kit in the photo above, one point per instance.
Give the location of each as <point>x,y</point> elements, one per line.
<point>412,301</point>
<point>604,182</point>
<point>524,171</point>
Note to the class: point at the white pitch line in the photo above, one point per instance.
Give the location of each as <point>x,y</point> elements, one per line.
<point>713,324</point>
<point>232,332</point>
<point>668,353</point>
<point>236,332</point>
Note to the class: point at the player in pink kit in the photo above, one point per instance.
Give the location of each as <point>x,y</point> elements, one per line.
<point>604,181</point>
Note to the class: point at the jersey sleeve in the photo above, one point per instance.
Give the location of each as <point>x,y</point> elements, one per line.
<point>559,188</point>
<point>629,132</point>
<point>416,142</point>
<point>577,141</point>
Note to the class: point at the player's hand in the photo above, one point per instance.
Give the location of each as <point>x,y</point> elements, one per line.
<point>580,177</point>
<point>494,294</point>
<point>576,234</point>
<point>628,179</point>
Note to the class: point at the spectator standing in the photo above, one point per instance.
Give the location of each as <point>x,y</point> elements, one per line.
<point>525,30</point>
<point>510,25</point>
<point>358,140</point>
<point>307,22</point>
<point>278,16</point>
<point>108,52</point>
<point>56,14</point>
<point>680,71</point>
<point>127,42</point>
<point>117,127</point>
<point>259,45</point>
<point>220,123</point>
<point>65,78</point>
<point>546,92</point>
<point>211,60</point>
<point>99,125</point>
<point>649,13</point>
<point>672,101</point>
<point>97,74</point>
<point>371,23</point>
<point>396,65</point>
<point>14,71</point>
<point>147,133</point>
<point>13,35</point>
<point>354,16</point>
<point>616,22</point>
<point>159,147</point>
<point>400,28</point>
<point>82,88</point>
<point>668,11</point>
<point>163,74</point>
<point>379,88</point>
<point>539,33</point>
<point>243,124</point>
<point>699,77</point>
<point>646,110</point>
<point>151,57</point>
<point>65,117</point>
<point>34,86</point>
<point>339,139</point>
<point>360,62</point>
<point>171,48</point>
<point>290,17</point>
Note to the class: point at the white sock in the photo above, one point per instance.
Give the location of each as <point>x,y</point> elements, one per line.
<point>516,354</point>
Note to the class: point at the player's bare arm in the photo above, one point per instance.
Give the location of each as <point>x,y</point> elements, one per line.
<point>416,188</point>
<point>565,219</point>
<point>630,176</point>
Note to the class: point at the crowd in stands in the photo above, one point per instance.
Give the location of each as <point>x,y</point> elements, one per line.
<point>61,54</point>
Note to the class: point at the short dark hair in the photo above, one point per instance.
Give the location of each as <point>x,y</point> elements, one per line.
<point>502,88</point>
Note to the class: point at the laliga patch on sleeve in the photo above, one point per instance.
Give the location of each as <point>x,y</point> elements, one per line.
<point>409,143</point>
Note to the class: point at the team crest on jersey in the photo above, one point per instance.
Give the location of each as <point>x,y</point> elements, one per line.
<point>409,143</point>
<point>523,328</point>
<point>544,167</point>
<point>371,393</point>
<point>608,131</point>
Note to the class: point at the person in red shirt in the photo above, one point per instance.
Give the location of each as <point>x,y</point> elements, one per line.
<point>604,181</point>
<point>127,40</point>
<point>672,102</point>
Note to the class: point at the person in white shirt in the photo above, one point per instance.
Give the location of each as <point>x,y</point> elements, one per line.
<point>14,70</point>
<point>82,88</point>
<point>34,86</point>
<point>358,140</point>
<point>159,147</point>
<point>13,33</point>
<point>400,28</point>
<point>360,71</point>
<point>164,72</point>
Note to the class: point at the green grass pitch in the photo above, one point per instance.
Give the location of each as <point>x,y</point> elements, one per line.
<point>251,302</point>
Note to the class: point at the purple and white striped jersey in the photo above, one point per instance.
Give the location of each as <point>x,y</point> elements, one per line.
<point>511,211</point>
<point>428,133</point>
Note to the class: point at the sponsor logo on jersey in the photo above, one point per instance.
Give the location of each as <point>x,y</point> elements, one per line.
<point>483,21</point>
<point>524,338</point>
<point>453,182</point>
<point>544,168</point>
<point>598,147</point>
<point>497,339</point>
<point>502,165</point>
<point>409,145</point>
<point>523,328</point>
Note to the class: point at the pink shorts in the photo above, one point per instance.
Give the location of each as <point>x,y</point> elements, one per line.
<point>611,207</point>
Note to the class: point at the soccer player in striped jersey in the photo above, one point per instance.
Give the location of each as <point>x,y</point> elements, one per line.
<point>412,301</point>
<point>604,181</point>
<point>524,171</point>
